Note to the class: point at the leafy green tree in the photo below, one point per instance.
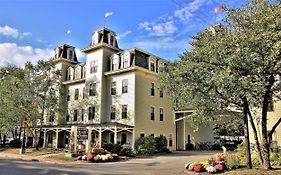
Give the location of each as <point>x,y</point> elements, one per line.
<point>44,80</point>
<point>228,126</point>
<point>28,96</point>
<point>235,66</point>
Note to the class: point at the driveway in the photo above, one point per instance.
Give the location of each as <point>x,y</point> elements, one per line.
<point>168,164</point>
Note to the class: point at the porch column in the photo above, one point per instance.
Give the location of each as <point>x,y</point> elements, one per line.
<point>100,134</point>
<point>133,139</point>
<point>89,140</point>
<point>57,138</point>
<point>44,139</point>
<point>73,139</point>
<point>115,135</point>
<point>184,136</point>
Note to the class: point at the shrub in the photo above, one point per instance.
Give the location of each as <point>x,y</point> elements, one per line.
<point>161,144</point>
<point>232,161</point>
<point>189,146</point>
<point>113,148</point>
<point>145,145</point>
<point>127,151</point>
<point>275,158</point>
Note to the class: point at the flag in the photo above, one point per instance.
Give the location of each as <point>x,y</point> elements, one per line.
<point>218,9</point>
<point>108,14</point>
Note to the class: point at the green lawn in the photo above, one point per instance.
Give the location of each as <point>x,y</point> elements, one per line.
<point>61,156</point>
<point>28,151</point>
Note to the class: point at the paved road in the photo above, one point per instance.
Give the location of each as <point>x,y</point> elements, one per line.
<point>159,165</point>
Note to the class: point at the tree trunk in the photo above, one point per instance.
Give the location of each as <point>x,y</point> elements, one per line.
<point>246,135</point>
<point>22,149</point>
<point>265,141</point>
<point>255,133</point>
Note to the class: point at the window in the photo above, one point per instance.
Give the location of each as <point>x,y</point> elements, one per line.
<point>69,74</point>
<point>52,116</point>
<point>113,113</point>
<point>152,90</point>
<point>152,114</point>
<point>78,73</point>
<point>82,115</point>
<point>123,138</point>
<point>111,40</point>
<point>92,111</point>
<point>84,93</point>
<point>152,134</point>
<point>92,91</point>
<point>170,140</point>
<point>126,60</point>
<point>114,63</point>
<point>68,95</point>
<point>83,72</point>
<point>124,111</point>
<point>75,115</point>
<point>70,54</point>
<point>113,88</point>
<point>124,86</point>
<point>142,135</point>
<point>94,66</point>
<point>152,65</point>
<point>67,118</point>
<point>161,114</point>
<point>76,94</point>
<point>161,93</point>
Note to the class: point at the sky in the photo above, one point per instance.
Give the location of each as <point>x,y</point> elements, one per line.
<point>31,29</point>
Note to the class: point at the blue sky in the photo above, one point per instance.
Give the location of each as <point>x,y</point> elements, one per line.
<point>30,29</point>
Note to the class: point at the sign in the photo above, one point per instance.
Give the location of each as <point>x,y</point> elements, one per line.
<point>82,133</point>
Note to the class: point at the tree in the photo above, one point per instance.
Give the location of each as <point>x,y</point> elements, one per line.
<point>15,102</point>
<point>228,126</point>
<point>28,96</point>
<point>232,66</point>
<point>44,80</point>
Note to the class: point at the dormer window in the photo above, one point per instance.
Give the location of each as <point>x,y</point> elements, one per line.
<point>70,55</point>
<point>70,74</point>
<point>78,73</point>
<point>111,40</point>
<point>114,63</point>
<point>126,60</point>
<point>152,65</point>
<point>83,72</point>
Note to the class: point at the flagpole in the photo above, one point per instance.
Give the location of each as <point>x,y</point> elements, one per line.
<point>105,17</point>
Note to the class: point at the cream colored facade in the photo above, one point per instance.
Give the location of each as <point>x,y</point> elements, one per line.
<point>273,115</point>
<point>108,97</point>
<point>112,97</point>
<point>188,134</point>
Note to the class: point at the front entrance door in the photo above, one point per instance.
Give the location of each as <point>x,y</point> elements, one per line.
<point>123,138</point>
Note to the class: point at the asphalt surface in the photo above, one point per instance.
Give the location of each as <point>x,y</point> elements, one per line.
<point>158,165</point>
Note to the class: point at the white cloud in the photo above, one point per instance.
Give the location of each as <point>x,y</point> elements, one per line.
<point>185,13</point>
<point>68,32</point>
<point>123,34</point>
<point>11,53</point>
<point>159,28</point>
<point>166,43</point>
<point>15,33</point>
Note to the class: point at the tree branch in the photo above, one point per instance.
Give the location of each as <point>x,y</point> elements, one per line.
<point>274,128</point>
